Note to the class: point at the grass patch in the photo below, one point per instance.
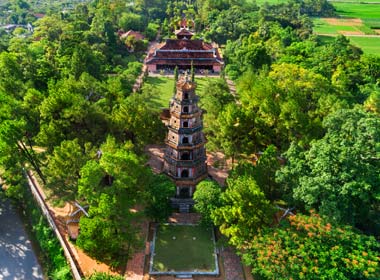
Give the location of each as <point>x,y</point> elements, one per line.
<point>369,45</point>
<point>184,248</point>
<point>165,88</point>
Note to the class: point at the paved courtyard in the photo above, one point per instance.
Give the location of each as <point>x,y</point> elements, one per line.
<point>17,258</point>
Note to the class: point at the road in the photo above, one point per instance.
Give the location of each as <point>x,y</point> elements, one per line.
<point>17,258</point>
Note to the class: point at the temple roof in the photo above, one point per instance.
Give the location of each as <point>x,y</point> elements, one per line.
<point>180,52</point>
<point>183,33</point>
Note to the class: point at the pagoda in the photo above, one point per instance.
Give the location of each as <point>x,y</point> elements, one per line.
<point>185,154</point>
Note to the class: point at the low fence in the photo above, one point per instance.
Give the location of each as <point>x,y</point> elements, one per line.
<point>44,208</point>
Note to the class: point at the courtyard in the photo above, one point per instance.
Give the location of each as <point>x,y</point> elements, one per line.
<point>187,249</point>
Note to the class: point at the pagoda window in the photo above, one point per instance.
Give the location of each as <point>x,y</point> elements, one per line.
<point>186,96</point>
<point>185,124</point>
<point>185,140</point>
<point>185,156</point>
<point>185,173</point>
<point>186,109</point>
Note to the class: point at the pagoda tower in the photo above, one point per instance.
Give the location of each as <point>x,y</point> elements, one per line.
<point>185,155</point>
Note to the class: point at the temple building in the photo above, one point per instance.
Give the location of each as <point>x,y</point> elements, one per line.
<point>183,52</point>
<point>185,154</point>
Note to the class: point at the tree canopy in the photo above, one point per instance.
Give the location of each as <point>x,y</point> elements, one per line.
<point>339,174</point>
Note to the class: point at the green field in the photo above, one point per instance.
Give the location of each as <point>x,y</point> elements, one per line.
<point>321,26</point>
<point>369,13</point>
<point>184,248</point>
<point>165,87</point>
<point>367,44</point>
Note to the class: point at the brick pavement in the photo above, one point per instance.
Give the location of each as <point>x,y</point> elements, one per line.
<point>232,265</point>
<point>135,266</point>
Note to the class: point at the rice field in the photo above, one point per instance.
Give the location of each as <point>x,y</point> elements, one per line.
<point>368,13</point>
<point>369,45</point>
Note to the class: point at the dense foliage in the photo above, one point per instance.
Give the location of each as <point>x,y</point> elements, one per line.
<point>339,174</point>
<point>305,112</point>
<point>307,247</point>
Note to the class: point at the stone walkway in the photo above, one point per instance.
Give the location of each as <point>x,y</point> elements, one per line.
<point>184,218</point>
<point>232,265</point>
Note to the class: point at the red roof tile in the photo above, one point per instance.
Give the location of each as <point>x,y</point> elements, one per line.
<point>183,51</point>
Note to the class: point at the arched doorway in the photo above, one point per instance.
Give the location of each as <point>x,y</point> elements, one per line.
<point>186,124</point>
<point>185,140</point>
<point>186,109</point>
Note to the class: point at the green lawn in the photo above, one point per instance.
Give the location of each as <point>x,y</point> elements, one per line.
<point>165,87</point>
<point>184,248</point>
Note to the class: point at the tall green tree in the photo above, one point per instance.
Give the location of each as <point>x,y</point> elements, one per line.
<point>111,185</point>
<point>207,197</point>
<point>244,211</point>
<point>158,193</point>
<point>137,121</point>
<point>63,168</point>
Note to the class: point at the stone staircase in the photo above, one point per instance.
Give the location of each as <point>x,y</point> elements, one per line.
<point>184,208</point>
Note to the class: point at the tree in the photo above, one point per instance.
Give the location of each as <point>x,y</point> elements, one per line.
<point>137,120</point>
<point>16,147</point>
<point>339,174</point>
<point>63,168</point>
<point>263,172</point>
<point>207,198</point>
<point>158,193</point>
<point>244,211</point>
<point>287,104</point>
<point>308,247</point>
<point>71,110</point>
<point>232,136</point>
<point>111,186</point>
<point>10,75</point>
<point>372,103</point>
<point>215,96</point>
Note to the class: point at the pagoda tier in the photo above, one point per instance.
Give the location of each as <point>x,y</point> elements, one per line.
<point>185,155</point>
